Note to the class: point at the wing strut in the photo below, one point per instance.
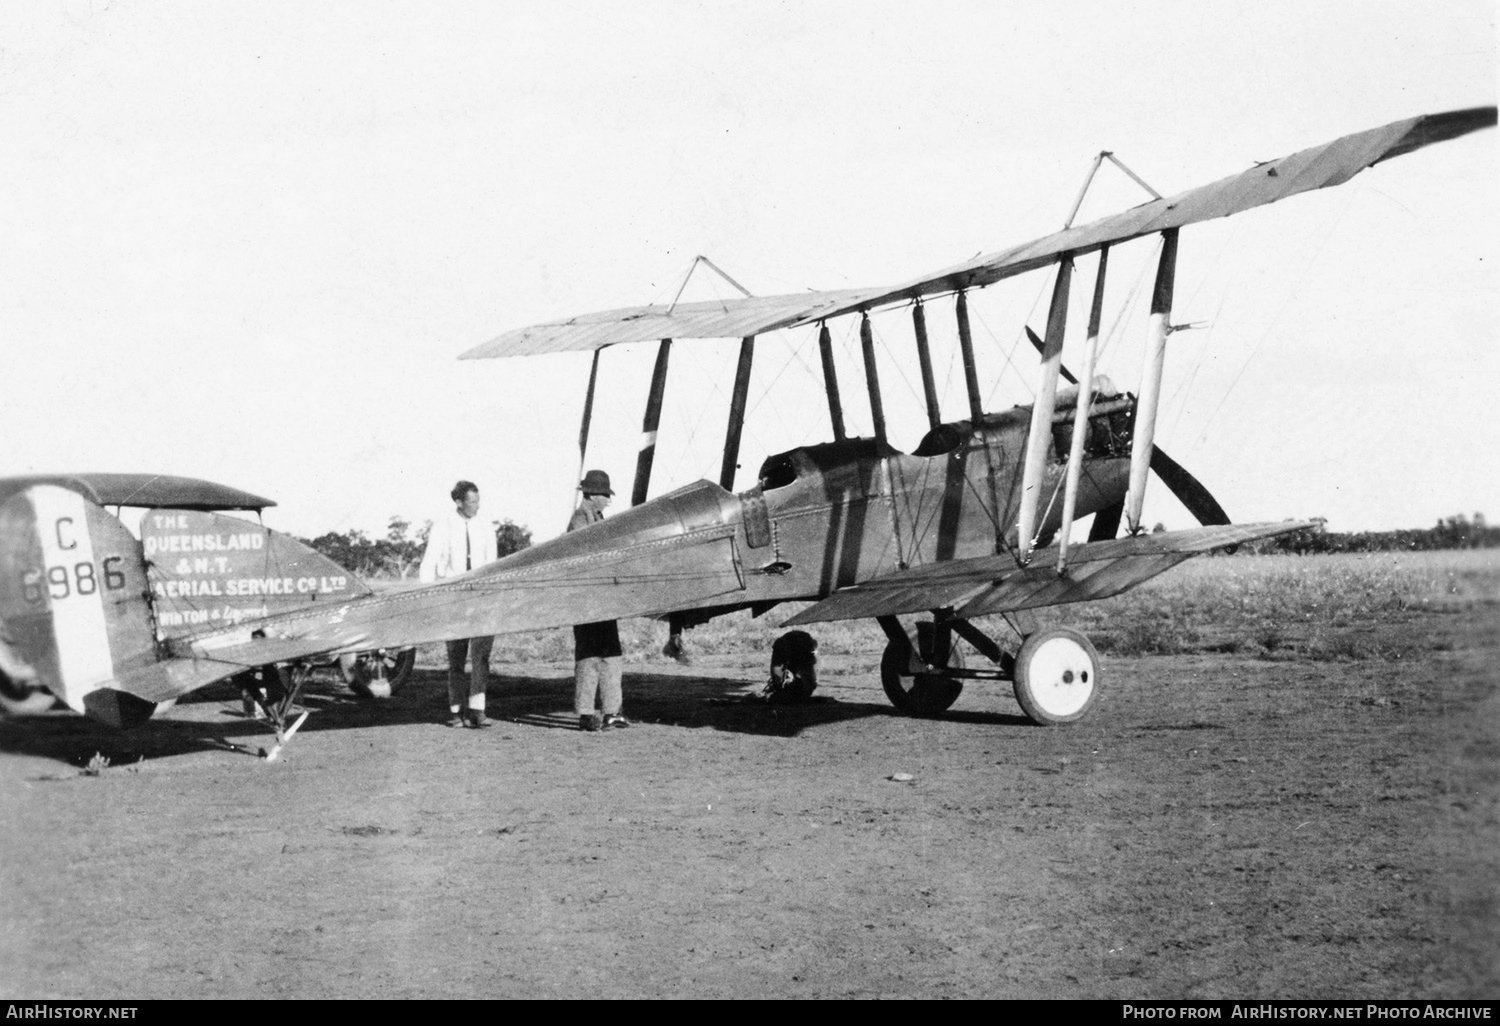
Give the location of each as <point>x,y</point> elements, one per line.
<point>737,414</point>
<point>924,357</point>
<point>649,425</point>
<point>1081,414</point>
<point>701,259</point>
<point>588,414</point>
<point>872,377</point>
<point>1156,351</point>
<point>1040,438</point>
<point>1088,180</point>
<point>966,343</point>
<point>831,383</point>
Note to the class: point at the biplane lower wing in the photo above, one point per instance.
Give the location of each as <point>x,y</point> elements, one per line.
<point>642,579</point>
<point>996,584</point>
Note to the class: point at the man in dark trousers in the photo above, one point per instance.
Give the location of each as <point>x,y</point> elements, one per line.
<point>596,646</point>
<point>457,544</point>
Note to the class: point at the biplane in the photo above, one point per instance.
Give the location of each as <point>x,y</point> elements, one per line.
<point>976,521</point>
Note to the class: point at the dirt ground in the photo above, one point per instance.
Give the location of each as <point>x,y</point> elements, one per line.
<point>1221,827</point>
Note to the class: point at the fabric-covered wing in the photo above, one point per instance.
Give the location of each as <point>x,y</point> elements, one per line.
<point>1316,168</point>
<point>731,318</point>
<point>995,584</point>
<point>150,491</point>
<point>642,579</point>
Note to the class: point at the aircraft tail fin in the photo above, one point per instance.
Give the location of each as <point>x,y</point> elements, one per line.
<point>74,600</point>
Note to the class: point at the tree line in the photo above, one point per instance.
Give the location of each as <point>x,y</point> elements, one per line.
<point>399,553</point>
<point>1455,532</point>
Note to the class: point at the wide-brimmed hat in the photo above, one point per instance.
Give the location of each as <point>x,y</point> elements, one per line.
<point>596,482</point>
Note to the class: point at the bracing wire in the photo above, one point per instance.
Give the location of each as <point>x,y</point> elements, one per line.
<point>895,361</point>
<point>766,394</point>
<point>1117,326</point>
<point>1202,345</point>
<point>1192,377</point>
<point>1291,295</point>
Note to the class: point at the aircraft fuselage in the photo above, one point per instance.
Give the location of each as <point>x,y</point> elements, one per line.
<point>826,516</point>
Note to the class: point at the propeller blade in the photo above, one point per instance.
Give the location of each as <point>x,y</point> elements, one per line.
<point>1107,522</point>
<point>1042,347</point>
<point>1189,491</point>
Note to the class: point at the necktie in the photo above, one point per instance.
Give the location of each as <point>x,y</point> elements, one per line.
<point>468,548</point>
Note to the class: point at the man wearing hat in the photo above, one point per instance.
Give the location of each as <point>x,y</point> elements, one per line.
<point>596,646</point>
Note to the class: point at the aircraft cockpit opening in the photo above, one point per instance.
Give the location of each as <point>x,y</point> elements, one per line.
<point>777,471</point>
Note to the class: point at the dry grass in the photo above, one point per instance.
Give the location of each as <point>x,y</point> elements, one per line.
<point>1273,606</point>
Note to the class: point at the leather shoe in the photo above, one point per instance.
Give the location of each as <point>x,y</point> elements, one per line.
<point>478,720</point>
<point>614,720</point>
<point>589,722</point>
<point>454,720</point>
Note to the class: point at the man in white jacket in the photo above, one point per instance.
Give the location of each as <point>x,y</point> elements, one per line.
<point>458,543</point>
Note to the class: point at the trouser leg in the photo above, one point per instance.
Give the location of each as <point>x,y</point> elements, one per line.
<point>585,685</point>
<point>458,685</point>
<point>479,670</point>
<point>609,685</point>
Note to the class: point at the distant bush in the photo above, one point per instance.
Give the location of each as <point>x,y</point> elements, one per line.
<point>399,553</point>
<point>1455,532</point>
<point>511,537</point>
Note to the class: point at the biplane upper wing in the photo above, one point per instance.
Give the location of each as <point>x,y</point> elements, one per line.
<point>996,584</point>
<point>1319,167</point>
<point>731,318</point>
<point>643,578</point>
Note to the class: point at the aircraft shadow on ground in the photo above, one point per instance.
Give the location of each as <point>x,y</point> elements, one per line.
<point>213,718</point>
<point>717,703</point>
<point>682,700</point>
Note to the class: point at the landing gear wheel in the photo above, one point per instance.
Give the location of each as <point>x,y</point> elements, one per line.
<point>20,694</point>
<point>378,674</point>
<point>1057,676</point>
<point>922,694</point>
<point>21,700</point>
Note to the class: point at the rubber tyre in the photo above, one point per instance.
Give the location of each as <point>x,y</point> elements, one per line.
<point>20,694</point>
<point>23,700</point>
<point>378,674</point>
<point>1057,676</point>
<point>923,694</point>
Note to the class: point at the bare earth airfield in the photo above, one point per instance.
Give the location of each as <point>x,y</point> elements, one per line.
<point>1290,788</point>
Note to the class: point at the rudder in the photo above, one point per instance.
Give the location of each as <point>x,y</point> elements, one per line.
<point>73,594</point>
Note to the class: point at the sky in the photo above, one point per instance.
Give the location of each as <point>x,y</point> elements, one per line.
<point>247,241</point>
